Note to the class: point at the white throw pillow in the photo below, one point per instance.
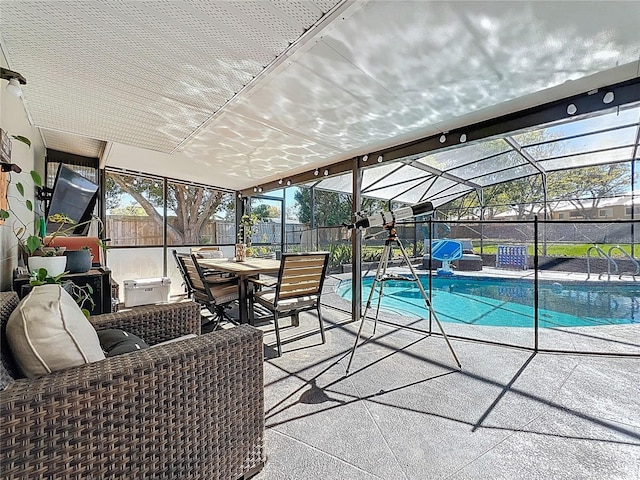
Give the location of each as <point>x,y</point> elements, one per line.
<point>48,332</point>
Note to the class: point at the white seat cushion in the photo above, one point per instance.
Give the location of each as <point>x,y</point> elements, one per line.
<point>266,299</point>
<point>48,332</point>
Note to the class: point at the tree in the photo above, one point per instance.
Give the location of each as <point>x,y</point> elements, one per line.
<point>332,209</point>
<point>193,206</point>
<point>586,187</point>
<point>265,212</point>
<point>521,194</point>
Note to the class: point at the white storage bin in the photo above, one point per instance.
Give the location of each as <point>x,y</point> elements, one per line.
<point>146,291</point>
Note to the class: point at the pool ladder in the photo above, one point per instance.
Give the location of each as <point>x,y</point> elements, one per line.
<point>610,262</point>
<point>629,257</point>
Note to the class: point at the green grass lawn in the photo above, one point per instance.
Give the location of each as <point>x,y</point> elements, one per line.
<point>567,250</point>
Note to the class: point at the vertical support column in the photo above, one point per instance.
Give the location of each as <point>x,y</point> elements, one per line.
<point>430,240</point>
<point>535,283</point>
<point>102,211</point>
<point>312,218</point>
<point>544,216</point>
<point>480,194</point>
<point>165,191</point>
<point>283,219</point>
<point>356,246</point>
<point>634,195</point>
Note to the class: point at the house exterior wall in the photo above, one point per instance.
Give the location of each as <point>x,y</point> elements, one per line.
<point>14,120</point>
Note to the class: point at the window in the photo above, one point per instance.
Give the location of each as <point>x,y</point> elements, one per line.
<point>198,215</point>
<point>134,207</point>
<point>627,211</point>
<point>605,212</point>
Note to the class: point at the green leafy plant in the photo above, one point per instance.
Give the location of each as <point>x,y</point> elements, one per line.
<point>22,139</point>
<point>262,251</point>
<point>339,254</point>
<point>82,294</point>
<point>247,222</point>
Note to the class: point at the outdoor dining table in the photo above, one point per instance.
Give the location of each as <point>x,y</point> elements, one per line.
<point>249,268</point>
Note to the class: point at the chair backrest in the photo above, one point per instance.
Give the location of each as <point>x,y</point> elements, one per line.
<point>207,252</point>
<point>192,271</point>
<point>203,292</point>
<point>194,278</point>
<point>301,274</point>
<point>183,272</point>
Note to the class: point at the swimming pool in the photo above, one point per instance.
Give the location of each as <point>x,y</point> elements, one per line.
<point>508,302</point>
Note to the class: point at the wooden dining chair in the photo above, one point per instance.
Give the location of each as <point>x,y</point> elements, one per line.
<point>214,292</point>
<point>298,288</point>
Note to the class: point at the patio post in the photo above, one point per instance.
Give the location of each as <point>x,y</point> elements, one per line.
<point>356,246</point>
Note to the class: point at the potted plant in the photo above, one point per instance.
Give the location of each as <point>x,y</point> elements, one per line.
<point>247,222</point>
<point>79,261</point>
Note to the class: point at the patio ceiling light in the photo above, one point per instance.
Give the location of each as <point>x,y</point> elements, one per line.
<point>380,158</point>
<point>443,138</point>
<point>326,173</point>
<point>15,80</point>
<point>365,158</point>
<point>463,138</point>
<point>316,172</point>
<point>608,97</point>
<point>572,109</point>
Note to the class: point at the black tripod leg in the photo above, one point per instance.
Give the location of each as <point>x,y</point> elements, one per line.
<point>428,303</point>
<point>364,314</point>
<point>386,254</point>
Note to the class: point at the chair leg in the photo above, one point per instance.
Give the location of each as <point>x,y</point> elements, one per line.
<point>321,325</point>
<point>275,321</point>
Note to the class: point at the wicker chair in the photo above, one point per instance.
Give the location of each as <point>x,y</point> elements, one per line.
<point>189,409</point>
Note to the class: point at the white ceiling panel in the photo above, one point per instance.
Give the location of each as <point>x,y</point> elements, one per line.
<point>74,144</point>
<point>237,93</point>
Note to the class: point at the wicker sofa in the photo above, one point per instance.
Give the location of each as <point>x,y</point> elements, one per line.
<point>189,409</point>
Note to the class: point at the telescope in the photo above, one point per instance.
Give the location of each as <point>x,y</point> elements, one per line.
<point>384,219</point>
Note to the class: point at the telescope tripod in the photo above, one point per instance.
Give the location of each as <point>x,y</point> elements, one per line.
<point>381,278</point>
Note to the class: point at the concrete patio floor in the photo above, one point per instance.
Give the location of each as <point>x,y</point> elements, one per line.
<point>405,411</point>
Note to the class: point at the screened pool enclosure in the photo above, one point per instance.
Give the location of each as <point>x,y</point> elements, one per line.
<point>556,180</point>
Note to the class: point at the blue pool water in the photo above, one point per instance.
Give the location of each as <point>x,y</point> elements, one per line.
<point>507,302</point>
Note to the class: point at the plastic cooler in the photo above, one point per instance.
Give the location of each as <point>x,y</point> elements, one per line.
<point>146,291</point>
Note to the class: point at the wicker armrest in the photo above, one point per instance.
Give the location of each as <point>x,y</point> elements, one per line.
<point>188,409</point>
<point>154,323</point>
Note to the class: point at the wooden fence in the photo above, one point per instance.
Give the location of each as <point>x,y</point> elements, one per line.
<point>124,230</point>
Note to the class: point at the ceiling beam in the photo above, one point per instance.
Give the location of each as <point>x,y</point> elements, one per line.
<point>518,148</point>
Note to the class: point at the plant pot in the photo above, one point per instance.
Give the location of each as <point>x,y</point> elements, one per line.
<point>241,252</point>
<point>54,265</point>
<point>53,251</point>
<point>78,261</point>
